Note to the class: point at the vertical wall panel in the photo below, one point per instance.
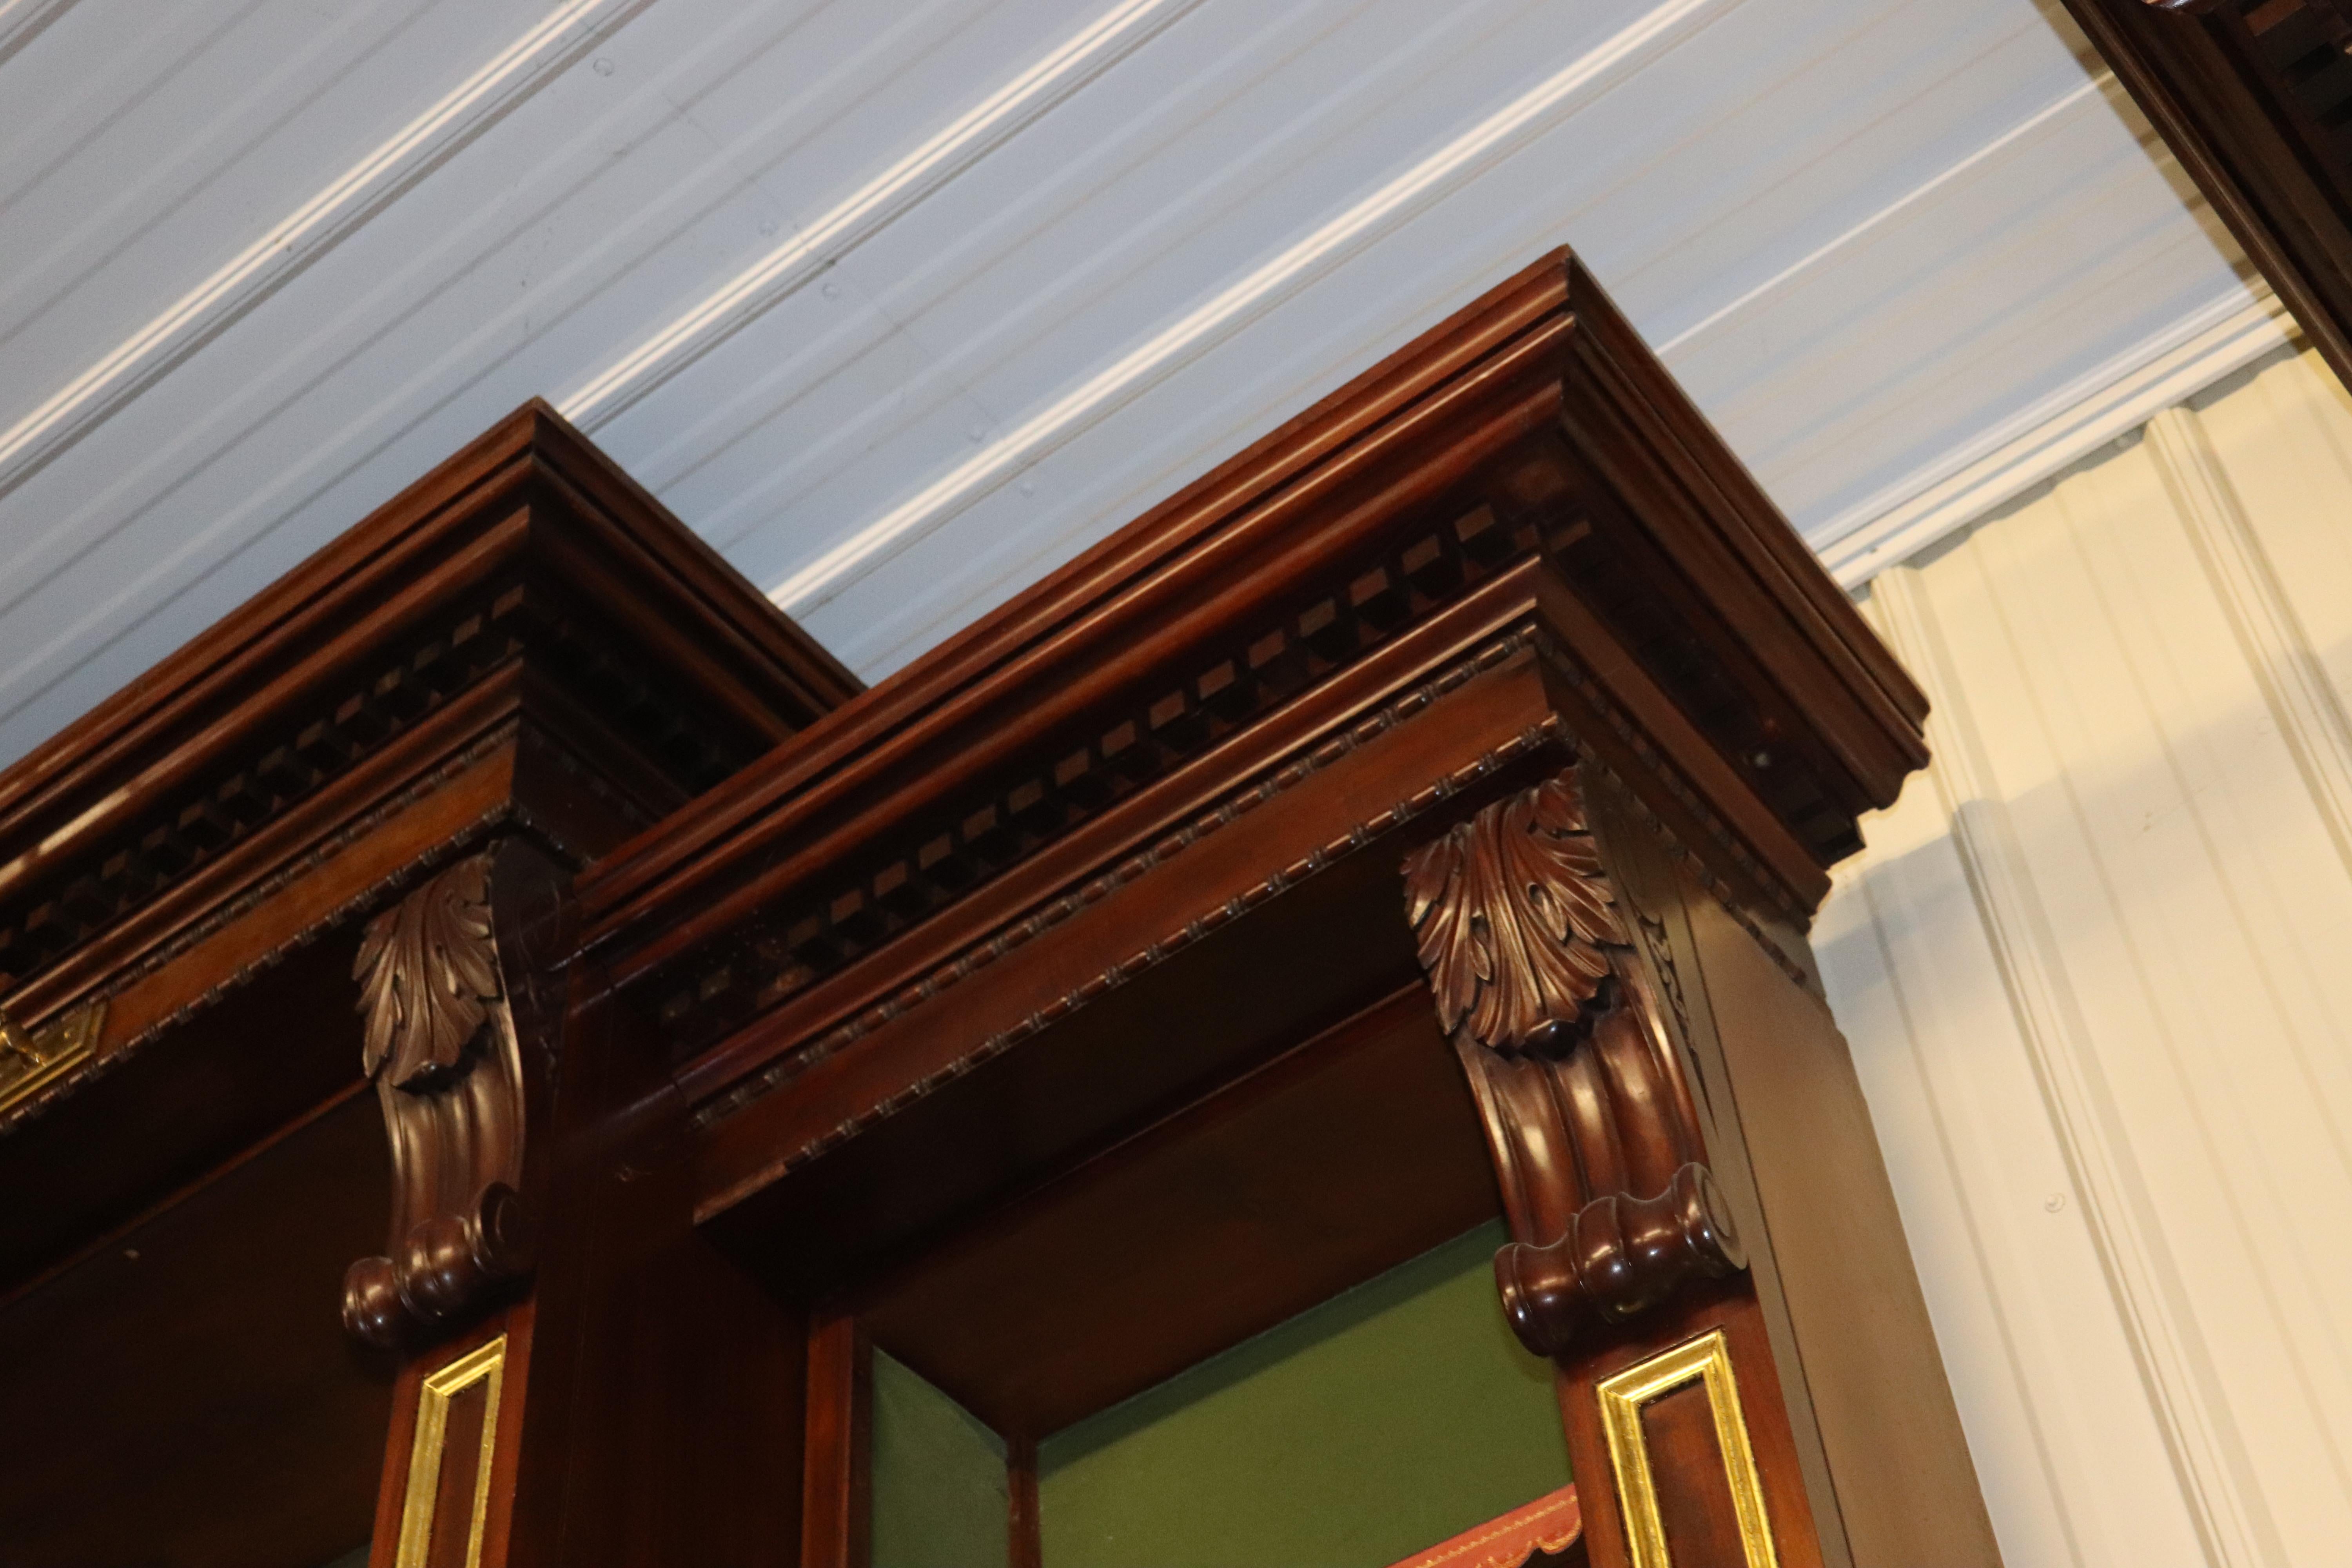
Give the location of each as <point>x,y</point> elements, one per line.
<point>2093,970</point>
<point>2075,1466</point>
<point>2284,440</point>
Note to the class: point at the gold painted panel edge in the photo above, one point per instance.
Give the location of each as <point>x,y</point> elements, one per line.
<point>423,1486</point>
<point>31,1061</point>
<point>1706,1360</point>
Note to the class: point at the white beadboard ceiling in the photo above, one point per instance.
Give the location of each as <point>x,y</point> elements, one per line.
<point>901,304</point>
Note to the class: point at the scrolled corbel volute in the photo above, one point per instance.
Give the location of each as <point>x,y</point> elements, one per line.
<point>1595,1142</point>
<point>458,1043</point>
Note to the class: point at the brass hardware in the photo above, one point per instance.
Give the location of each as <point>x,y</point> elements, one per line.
<point>424,1486</point>
<point>31,1060</point>
<point>1706,1360</point>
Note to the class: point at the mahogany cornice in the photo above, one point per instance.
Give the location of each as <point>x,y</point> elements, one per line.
<point>773,1100</point>
<point>1489,677</point>
<point>527,576</point>
<point>1532,427</point>
<point>1003,684</point>
<point>521,645</point>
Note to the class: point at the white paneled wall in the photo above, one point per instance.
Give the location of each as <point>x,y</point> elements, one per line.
<point>2096,969</point>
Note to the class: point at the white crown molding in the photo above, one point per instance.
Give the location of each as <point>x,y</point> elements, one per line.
<point>331,216</point>
<point>873,208</point>
<point>22,21</point>
<point>1214,321</point>
<point>2110,400</point>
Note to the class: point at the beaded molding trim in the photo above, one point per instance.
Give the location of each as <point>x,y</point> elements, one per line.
<point>1286,776</point>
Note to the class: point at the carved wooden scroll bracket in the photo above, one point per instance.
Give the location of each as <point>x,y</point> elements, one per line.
<point>458,1041</point>
<point>1587,1116</point>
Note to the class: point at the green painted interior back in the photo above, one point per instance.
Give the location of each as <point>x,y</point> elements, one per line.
<point>1383,1421</point>
<point>938,1478</point>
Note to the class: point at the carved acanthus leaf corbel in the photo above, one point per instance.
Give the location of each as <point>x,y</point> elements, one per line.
<point>446,990</point>
<point>1595,1142</point>
<point>1513,920</point>
<point>428,977</point>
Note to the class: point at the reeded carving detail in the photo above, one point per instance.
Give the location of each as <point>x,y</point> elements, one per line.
<point>1557,1024</point>
<point>445,1047</point>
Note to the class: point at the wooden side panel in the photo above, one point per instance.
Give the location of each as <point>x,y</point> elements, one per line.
<point>1545,929</point>
<point>184,1393</point>
<point>667,1422</point>
<point>837,1504</point>
<point>1024,1546</point>
<point>1687,1476</point>
<point>449,1467</point>
<point>667,1419</point>
<point>1854,1342</point>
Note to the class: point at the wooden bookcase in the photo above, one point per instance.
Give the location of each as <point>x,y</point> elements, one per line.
<point>1415,820</point>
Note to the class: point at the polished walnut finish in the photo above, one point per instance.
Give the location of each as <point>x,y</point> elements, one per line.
<point>1246,1208</point>
<point>1533,427</point>
<point>525,581</point>
<point>185,1396</point>
<point>521,643</point>
<point>521,655</point>
<point>1507,527</point>
<point>1046,1016</point>
<point>836,1500</point>
<point>461,1035</point>
<point>1559,1031</point>
<point>1575,1036</point>
<point>945,983</point>
<point>2255,97</point>
<point>32,1060</point>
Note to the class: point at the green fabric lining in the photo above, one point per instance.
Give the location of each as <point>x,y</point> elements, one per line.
<point>1385,1420</point>
<point>939,1487</point>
